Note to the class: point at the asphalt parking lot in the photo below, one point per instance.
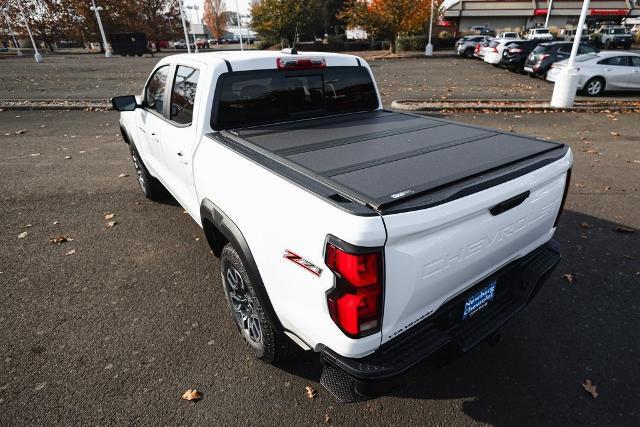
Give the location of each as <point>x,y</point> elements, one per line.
<point>438,78</point>
<point>115,324</point>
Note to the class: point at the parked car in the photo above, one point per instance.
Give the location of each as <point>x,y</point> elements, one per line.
<point>545,54</point>
<point>515,53</point>
<point>202,43</point>
<point>387,236</point>
<point>467,44</point>
<point>494,51</point>
<point>612,37</point>
<point>482,48</point>
<point>539,34</point>
<point>604,71</point>
<point>569,35</point>
<point>180,44</point>
<point>482,30</point>
<point>508,35</point>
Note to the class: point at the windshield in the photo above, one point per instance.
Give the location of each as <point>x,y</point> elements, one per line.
<point>248,98</point>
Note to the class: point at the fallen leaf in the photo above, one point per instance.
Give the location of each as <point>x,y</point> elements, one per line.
<point>310,392</point>
<point>123,175</point>
<point>591,152</point>
<point>34,154</point>
<point>110,224</point>
<point>585,225</point>
<point>327,419</point>
<point>629,257</point>
<point>580,185</point>
<point>590,388</point>
<point>606,188</point>
<point>192,395</point>
<point>55,222</point>
<point>21,132</point>
<point>71,252</point>
<point>58,239</point>
<point>22,235</point>
<point>569,277</point>
<point>615,134</point>
<point>67,157</point>
<point>109,216</point>
<point>623,229</point>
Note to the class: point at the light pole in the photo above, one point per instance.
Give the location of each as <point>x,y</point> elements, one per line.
<point>546,21</point>
<point>97,9</point>
<point>184,27</point>
<point>564,90</point>
<point>239,24</point>
<point>428,50</point>
<point>15,42</point>
<point>195,8</point>
<point>37,55</point>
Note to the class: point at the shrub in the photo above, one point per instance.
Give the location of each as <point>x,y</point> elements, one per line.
<point>637,37</point>
<point>263,44</point>
<point>411,43</point>
<point>445,35</point>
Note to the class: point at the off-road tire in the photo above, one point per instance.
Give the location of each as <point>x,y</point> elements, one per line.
<point>273,345</point>
<point>150,186</point>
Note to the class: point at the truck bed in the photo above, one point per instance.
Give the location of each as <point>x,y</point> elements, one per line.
<point>389,162</point>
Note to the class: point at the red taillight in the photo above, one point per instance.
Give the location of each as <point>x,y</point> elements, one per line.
<point>355,303</point>
<point>300,63</point>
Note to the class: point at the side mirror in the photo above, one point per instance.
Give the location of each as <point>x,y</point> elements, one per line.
<point>124,103</point>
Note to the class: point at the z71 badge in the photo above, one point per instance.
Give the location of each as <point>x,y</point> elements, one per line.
<point>306,264</point>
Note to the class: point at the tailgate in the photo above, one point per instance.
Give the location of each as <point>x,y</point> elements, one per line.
<point>434,254</point>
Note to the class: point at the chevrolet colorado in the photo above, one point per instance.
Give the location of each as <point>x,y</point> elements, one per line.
<point>373,237</point>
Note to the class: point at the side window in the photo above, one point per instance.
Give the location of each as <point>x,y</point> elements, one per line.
<point>585,49</point>
<point>615,60</point>
<point>635,61</point>
<point>154,92</point>
<point>564,49</point>
<point>183,95</point>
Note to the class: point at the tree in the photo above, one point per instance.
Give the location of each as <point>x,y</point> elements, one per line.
<point>216,17</point>
<point>388,18</point>
<point>281,21</point>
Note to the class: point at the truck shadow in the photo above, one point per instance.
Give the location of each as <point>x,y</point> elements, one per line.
<point>572,332</point>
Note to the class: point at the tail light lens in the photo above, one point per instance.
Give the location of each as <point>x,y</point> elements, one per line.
<point>355,302</point>
<point>564,197</point>
<point>300,63</point>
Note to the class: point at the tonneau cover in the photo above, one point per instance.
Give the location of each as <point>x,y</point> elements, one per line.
<point>382,158</point>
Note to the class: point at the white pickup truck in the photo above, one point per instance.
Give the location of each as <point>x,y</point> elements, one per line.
<point>378,239</point>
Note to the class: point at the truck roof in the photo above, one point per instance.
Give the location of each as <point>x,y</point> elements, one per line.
<point>260,59</point>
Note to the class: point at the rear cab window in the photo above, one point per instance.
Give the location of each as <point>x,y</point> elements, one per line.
<point>248,98</point>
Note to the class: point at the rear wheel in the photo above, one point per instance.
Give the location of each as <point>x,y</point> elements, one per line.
<point>263,337</point>
<point>594,87</point>
<point>607,44</point>
<point>151,187</point>
<point>469,53</point>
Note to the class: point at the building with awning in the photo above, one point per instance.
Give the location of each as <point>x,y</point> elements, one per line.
<point>521,15</point>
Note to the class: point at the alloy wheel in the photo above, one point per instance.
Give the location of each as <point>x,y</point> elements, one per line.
<point>243,307</point>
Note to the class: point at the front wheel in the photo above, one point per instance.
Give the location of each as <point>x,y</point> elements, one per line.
<point>594,87</point>
<point>264,339</point>
<point>150,186</point>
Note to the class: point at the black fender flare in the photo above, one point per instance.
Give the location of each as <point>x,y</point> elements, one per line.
<point>230,232</point>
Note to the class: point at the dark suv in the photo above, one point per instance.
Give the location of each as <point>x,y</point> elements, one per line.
<point>515,54</point>
<point>540,59</point>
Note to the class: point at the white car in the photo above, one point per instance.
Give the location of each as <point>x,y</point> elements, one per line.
<point>539,34</point>
<point>493,53</point>
<point>482,48</point>
<point>606,70</point>
<point>373,237</point>
<point>512,35</point>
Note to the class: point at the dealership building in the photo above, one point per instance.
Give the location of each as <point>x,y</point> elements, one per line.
<point>524,14</point>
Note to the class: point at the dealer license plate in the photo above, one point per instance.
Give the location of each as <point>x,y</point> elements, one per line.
<point>479,300</point>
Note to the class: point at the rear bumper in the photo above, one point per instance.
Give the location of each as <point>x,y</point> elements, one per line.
<point>443,335</point>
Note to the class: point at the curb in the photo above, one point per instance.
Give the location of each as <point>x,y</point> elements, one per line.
<point>55,104</point>
<point>512,105</point>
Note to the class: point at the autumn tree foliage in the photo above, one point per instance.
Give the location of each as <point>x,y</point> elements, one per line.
<point>279,21</point>
<point>216,17</point>
<point>387,18</point>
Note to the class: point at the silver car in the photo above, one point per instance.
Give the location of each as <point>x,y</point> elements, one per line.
<point>606,70</point>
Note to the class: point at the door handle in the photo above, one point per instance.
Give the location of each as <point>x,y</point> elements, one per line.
<point>182,159</point>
